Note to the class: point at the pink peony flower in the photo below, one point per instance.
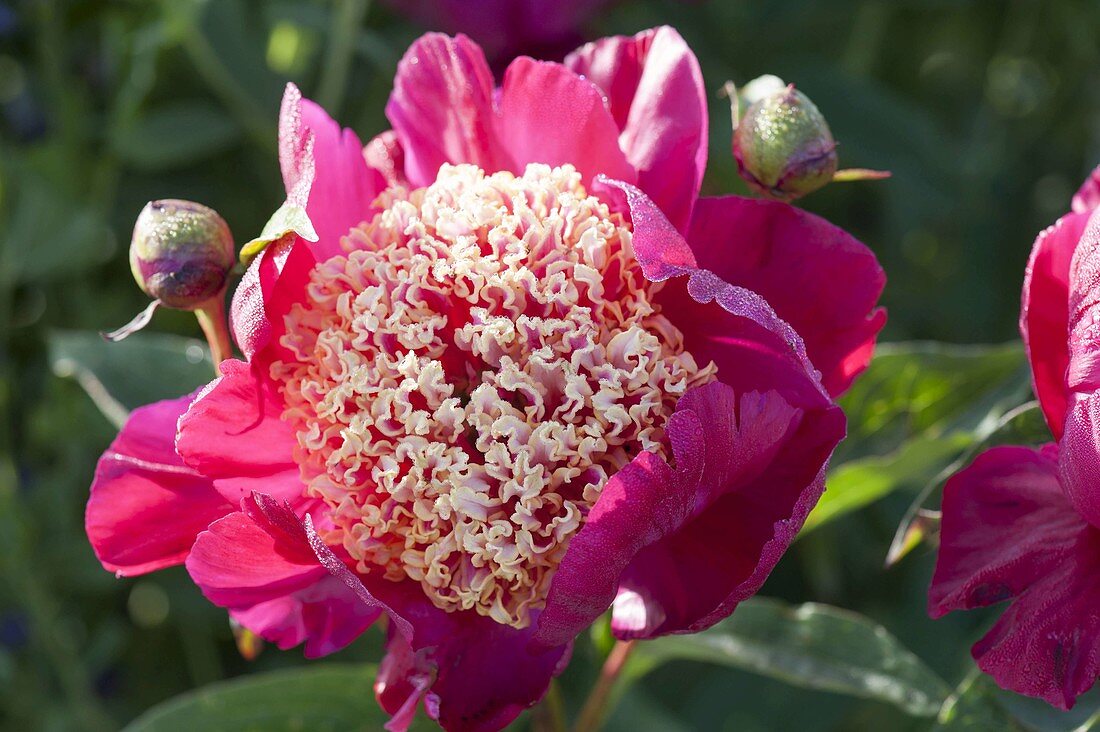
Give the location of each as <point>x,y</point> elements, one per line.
<point>522,375</point>
<point>1022,523</point>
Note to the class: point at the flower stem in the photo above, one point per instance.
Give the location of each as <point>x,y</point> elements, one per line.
<point>347,19</point>
<point>595,707</point>
<point>549,716</point>
<point>211,317</point>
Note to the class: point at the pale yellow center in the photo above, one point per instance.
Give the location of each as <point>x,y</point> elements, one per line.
<point>468,377</point>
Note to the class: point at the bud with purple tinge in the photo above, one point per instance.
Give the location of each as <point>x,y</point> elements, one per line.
<point>181,253</point>
<point>783,146</point>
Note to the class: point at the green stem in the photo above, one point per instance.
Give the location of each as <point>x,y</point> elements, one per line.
<point>549,716</point>
<point>595,707</point>
<point>235,97</point>
<point>346,21</point>
<point>211,317</point>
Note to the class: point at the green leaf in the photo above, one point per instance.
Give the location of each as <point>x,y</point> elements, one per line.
<point>812,646</point>
<point>176,134</point>
<point>291,218</point>
<point>857,483</point>
<point>973,707</point>
<point>913,413</point>
<point>1024,425</point>
<point>319,698</point>
<point>978,705</point>
<point>144,368</point>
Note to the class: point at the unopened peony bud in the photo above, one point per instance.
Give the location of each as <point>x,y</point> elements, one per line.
<point>181,253</point>
<point>783,146</point>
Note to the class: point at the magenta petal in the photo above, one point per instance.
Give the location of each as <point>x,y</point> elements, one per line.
<point>1006,524</point>
<point>324,164</point>
<point>403,679</point>
<point>639,505</point>
<point>385,154</point>
<point>146,506</point>
<point>258,563</point>
<point>658,99</point>
<point>1044,314</point>
<point>1080,458</point>
<point>1009,532</point>
<point>325,616</point>
<point>550,115</point>
<point>485,674</point>
<point>817,276</point>
<point>1047,644</point>
<point>239,563</point>
<point>698,575</point>
<point>720,322</point>
<point>441,107</point>
<point>1083,373</point>
<point>677,549</point>
<point>233,433</point>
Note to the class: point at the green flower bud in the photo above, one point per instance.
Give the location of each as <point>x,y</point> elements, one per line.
<point>783,146</point>
<point>181,253</point>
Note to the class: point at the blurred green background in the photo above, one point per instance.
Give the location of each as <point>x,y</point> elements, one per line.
<point>986,111</point>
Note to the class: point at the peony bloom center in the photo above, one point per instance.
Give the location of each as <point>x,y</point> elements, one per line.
<point>468,376</point>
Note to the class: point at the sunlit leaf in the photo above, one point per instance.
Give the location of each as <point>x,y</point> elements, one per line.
<point>915,411</point>
<point>855,484</point>
<point>1024,425</point>
<point>812,646</point>
<point>289,219</point>
<point>320,698</point>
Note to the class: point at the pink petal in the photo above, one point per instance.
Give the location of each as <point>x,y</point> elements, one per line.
<point>1080,443</point>
<point>1009,532</point>
<point>323,164</point>
<point>258,563</point>
<point>441,107</point>
<point>326,616</point>
<point>639,505</point>
<point>485,674</point>
<point>1044,314</point>
<point>818,277</point>
<point>403,679</point>
<point>1083,373</point>
<point>720,322</point>
<point>658,100</point>
<point>1047,644</point>
<point>773,476</point>
<point>1080,457</point>
<point>677,549</point>
<point>239,562</point>
<point>1087,197</point>
<point>550,115</point>
<point>146,506</point>
<point>1006,524</point>
<point>385,154</point>
<point>233,434</point>
<point>274,281</point>
<point>734,517</point>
